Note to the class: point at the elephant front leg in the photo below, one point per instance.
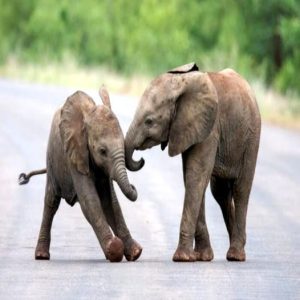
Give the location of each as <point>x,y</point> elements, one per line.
<point>114,215</point>
<point>197,164</point>
<point>112,247</point>
<point>185,251</point>
<point>203,248</point>
<point>51,205</point>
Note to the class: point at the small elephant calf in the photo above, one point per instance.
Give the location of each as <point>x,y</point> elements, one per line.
<point>85,153</point>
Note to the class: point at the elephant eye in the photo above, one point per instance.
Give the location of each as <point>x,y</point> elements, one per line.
<point>103,151</point>
<point>148,122</point>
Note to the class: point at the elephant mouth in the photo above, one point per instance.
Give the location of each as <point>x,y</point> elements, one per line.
<point>163,145</point>
<point>147,144</point>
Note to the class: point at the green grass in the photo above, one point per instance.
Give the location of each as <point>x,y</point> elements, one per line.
<point>275,108</point>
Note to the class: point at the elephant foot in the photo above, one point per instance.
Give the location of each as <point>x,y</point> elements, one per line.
<point>114,250</point>
<point>235,254</point>
<point>133,250</point>
<point>42,252</point>
<point>205,254</point>
<point>184,255</point>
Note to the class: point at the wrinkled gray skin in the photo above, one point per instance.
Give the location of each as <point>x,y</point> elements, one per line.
<point>213,120</point>
<point>85,152</point>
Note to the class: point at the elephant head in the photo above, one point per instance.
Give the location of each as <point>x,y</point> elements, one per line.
<point>92,136</point>
<point>178,108</point>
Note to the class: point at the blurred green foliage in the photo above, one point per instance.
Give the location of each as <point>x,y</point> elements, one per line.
<point>258,38</point>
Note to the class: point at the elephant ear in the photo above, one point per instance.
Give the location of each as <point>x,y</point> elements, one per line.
<point>72,129</point>
<point>185,69</point>
<point>194,117</point>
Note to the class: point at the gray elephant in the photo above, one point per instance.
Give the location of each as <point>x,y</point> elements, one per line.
<point>85,153</point>
<point>213,120</point>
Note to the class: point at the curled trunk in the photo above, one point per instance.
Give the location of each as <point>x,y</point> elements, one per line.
<point>120,176</point>
<point>131,164</point>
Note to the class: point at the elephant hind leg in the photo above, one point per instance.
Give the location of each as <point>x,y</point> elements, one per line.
<point>222,192</point>
<point>241,191</point>
<point>51,205</point>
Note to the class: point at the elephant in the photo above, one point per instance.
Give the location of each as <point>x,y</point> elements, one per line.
<point>213,120</point>
<point>85,153</point>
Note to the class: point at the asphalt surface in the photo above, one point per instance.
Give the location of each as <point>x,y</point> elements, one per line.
<point>78,270</point>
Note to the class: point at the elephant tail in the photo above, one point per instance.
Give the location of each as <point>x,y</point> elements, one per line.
<point>24,178</point>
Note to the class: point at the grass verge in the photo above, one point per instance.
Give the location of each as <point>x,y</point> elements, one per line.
<point>278,109</point>
<point>71,75</point>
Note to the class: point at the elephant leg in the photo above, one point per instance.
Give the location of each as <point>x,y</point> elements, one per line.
<point>241,192</point>
<point>51,204</point>
<point>89,201</point>
<point>203,248</point>
<point>198,162</point>
<point>222,192</point>
<point>236,250</point>
<point>132,249</point>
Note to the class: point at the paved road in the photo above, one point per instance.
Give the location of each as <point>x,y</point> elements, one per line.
<point>78,269</point>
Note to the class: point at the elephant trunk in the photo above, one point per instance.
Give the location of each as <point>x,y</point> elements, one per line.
<point>119,174</point>
<point>131,164</point>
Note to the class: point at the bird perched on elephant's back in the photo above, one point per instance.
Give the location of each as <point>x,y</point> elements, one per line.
<point>85,153</point>
<point>213,120</point>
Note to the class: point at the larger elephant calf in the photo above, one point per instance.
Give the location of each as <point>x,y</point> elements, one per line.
<point>213,120</point>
